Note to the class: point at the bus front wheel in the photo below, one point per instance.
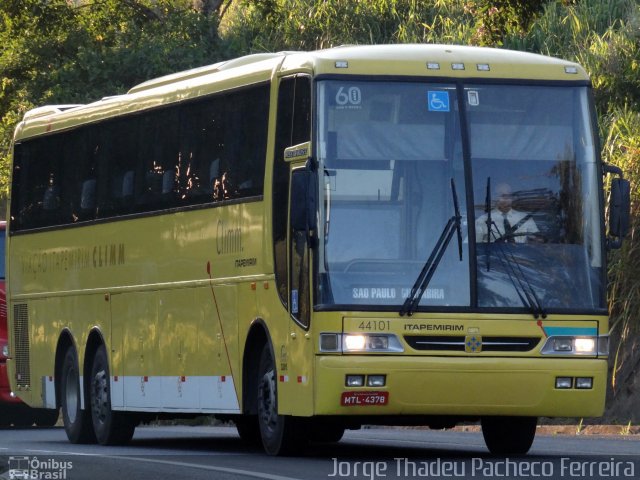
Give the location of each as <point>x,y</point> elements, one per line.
<point>77,422</point>
<point>112,428</point>
<point>281,434</point>
<point>509,435</point>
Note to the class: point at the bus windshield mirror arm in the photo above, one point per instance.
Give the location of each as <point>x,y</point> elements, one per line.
<point>327,220</point>
<point>428,270</point>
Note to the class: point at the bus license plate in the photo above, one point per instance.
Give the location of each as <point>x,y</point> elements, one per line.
<point>364,399</point>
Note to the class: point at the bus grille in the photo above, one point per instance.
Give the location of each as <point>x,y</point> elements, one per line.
<point>21,346</point>
<point>452,343</point>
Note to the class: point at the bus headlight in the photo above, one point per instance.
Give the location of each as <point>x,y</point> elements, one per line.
<point>355,342</point>
<point>585,345</point>
<point>563,344</point>
<point>360,342</point>
<point>5,351</point>
<point>378,342</point>
<point>556,345</point>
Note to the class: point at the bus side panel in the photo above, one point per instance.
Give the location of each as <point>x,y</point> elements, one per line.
<point>134,315</point>
<point>172,354</point>
<point>217,350</point>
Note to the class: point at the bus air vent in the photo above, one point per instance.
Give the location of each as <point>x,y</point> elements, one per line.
<point>21,348</point>
<point>455,343</point>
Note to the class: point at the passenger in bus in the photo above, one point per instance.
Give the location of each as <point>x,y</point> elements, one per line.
<point>507,224</point>
<point>222,188</point>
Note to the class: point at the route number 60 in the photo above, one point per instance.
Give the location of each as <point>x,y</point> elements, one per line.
<point>352,96</point>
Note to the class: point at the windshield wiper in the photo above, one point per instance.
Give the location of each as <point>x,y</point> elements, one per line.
<point>487,210</point>
<point>429,269</point>
<point>518,278</point>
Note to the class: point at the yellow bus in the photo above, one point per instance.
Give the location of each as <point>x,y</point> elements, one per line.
<point>306,242</point>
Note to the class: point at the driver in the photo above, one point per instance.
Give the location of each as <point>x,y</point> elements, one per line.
<point>507,224</point>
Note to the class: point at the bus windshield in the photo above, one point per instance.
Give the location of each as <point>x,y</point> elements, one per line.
<point>524,165</point>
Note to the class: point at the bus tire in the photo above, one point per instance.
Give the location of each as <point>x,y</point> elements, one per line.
<point>281,434</point>
<point>77,422</point>
<point>509,435</point>
<point>112,428</point>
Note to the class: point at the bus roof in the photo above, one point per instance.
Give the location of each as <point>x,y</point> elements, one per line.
<point>437,61</point>
<point>440,61</point>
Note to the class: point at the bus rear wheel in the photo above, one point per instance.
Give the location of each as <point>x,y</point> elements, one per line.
<point>112,428</point>
<point>281,434</point>
<point>77,422</point>
<point>509,435</point>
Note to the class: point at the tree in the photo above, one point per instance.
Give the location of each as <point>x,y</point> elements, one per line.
<point>59,51</point>
<point>497,18</point>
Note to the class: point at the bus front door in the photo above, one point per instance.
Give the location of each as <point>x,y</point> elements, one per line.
<point>301,231</point>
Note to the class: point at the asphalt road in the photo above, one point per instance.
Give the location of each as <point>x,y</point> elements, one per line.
<point>217,453</point>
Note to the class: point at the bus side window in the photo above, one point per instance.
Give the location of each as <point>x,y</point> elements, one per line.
<point>88,198</point>
<point>51,198</point>
<point>214,172</point>
<point>117,163</point>
<point>127,185</point>
<point>247,112</point>
<point>168,180</point>
<point>157,152</point>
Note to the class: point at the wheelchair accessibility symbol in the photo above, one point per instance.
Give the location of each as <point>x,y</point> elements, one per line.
<point>438,101</point>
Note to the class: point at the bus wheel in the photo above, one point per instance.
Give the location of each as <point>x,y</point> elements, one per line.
<point>509,435</point>
<point>77,422</point>
<point>281,435</point>
<point>112,428</point>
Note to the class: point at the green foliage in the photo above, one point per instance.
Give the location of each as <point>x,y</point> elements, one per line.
<point>268,25</point>
<point>602,35</point>
<point>123,46</point>
<point>622,147</point>
<point>499,18</point>
<point>57,52</point>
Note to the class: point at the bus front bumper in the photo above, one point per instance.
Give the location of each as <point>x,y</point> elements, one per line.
<point>460,386</point>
